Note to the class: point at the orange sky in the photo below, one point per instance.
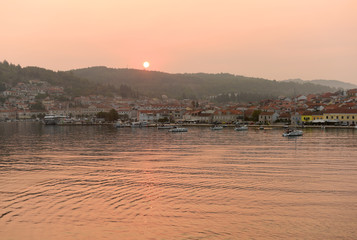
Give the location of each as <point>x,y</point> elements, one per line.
<point>275,39</point>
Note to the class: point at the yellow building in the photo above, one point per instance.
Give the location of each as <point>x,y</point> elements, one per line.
<point>311,117</point>
<point>345,116</point>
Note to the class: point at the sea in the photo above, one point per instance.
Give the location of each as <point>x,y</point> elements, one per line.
<point>100,182</point>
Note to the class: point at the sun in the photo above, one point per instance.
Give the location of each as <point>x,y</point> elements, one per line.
<point>146,64</point>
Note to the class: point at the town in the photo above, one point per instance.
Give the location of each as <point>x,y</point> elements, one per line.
<point>34,99</point>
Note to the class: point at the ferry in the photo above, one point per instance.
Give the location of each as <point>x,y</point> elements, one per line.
<point>51,119</point>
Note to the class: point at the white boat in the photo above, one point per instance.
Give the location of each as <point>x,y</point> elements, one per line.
<point>292,133</point>
<point>178,129</point>
<point>241,128</point>
<point>217,128</point>
<point>51,119</point>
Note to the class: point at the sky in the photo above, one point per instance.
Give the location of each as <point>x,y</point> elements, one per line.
<point>273,39</point>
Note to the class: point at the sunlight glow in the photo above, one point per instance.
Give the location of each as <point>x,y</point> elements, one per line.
<point>146,64</point>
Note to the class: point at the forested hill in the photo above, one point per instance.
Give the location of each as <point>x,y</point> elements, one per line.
<point>11,74</point>
<point>131,83</point>
<point>196,85</point>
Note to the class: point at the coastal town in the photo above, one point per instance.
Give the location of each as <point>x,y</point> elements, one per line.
<point>35,99</point>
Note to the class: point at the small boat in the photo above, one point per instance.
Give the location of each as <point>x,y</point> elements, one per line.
<point>139,124</point>
<point>217,127</point>
<point>292,133</point>
<point>165,127</point>
<point>261,128</point>
<point>241,128</point>
<point>178,129</point>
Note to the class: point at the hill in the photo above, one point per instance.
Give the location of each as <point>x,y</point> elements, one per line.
<point>11,74</point>
<point>328,83</point>
<point>196,85</point>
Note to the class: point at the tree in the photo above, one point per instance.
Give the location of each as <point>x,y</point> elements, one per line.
<point>163,120</point>
<point>37,106</point>
<point>110,116</point>
<point>113,115</point>
<point>255,115</point>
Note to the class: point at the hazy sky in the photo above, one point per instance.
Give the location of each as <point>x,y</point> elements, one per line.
<point>274,39</point>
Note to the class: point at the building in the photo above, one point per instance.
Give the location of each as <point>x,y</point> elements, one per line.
<point>268,117</point>
<point>342,116</point>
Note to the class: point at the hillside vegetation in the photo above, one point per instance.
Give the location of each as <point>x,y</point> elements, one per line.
<point>132,83</point>
<point>196,85</point>
<point>11,74</point>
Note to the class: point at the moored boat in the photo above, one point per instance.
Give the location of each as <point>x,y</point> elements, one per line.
<point>165,127</point>
<point>178,129</point>
<point>241,128</point>
<point>217,127</point>
<point>52,119</point>
<point>292,133</point>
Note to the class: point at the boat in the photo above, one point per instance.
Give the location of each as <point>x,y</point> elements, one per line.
<point>178,129</point>
<point>292,133</point>
<point>139,124</point>
<point>165,127</point>
<point>51,119</point>
<point>217,127</point>
<point>241,128</point>
<point>119,124</point>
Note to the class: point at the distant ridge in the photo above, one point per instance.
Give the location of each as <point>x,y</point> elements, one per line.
<point>329,83</point>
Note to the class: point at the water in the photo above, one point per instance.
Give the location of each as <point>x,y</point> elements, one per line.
<point>98,182</point>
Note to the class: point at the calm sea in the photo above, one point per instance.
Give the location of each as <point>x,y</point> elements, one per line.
<point>99,182</point>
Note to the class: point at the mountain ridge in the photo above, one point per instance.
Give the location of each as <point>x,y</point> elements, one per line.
<point>330,83</point>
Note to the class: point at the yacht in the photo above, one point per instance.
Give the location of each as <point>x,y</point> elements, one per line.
<point>292,133</point>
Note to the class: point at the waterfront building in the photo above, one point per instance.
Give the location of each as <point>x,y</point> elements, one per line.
<point>343,116</point>
<point>268,117</point>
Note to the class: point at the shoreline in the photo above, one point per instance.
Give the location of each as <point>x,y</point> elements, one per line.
<point>207,125</point>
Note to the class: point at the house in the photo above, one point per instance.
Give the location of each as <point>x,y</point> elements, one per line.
<point>296,118</point>
<point>268,117</point>
<point>227,116</point>
<point>284,117</point>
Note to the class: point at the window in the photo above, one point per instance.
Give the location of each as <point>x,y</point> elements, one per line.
<point>326,117</point>
<point>342,117</point>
